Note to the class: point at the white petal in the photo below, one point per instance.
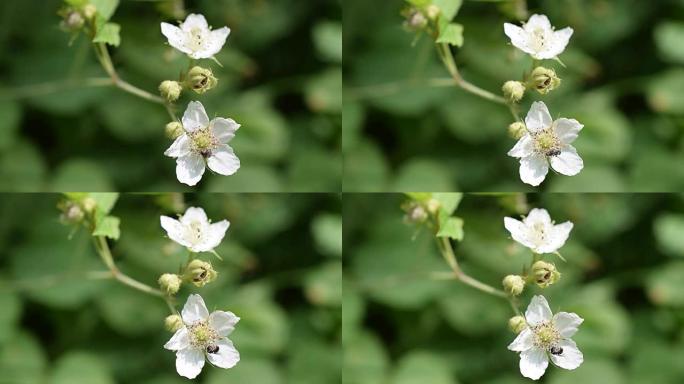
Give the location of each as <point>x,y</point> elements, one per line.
<point>568,162</point>
<point>194,214</point>
<point>538,216</point>
<point>567,323</point>
<point>518,36</point>
<point>223,161</point>
<point>523,148</point>
<point>538,117</point>
<point>214,235</point>
<point>189,169</point>
<point>180,147</point>
<point>533,169</point>
<point>223,322</point>
<point>519,231</point>
<point>217,38</point>
<point>538,22</point>
<point>194,21</point>
<point>179,340</point>
<point>571,357</point>
<point>559,40</point>
<point>175,36</point>
<point>523,342</point>
<point>195,117</point>
<point>226,357</point>
<point>194,310</point>
<point>537,312</point>
<point>533,363</point>
<point>224,129</point>
<point>174,229</point>
<point>189,362</point>
<point>556,238</point>
<point>567,130</point>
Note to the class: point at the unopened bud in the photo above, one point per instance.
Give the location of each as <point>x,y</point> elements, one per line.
<point>513,91</point>
<point>169,283</point>
<point>73,20</point>
<point>172,323</point>
<point>415,213</point>
<point>71,212</point>
<point>544,274</point>
<point>89,11</point>
<point>201,79</point>
<point>170,90</point>
<point>517,324</point>
<point>433,206</point>
<point>199,273</point>
<point>415,20</point>
<point>544,80</point>
<point>432,12</point>
<point>513,284</point>
<point>173,130</point>
<point>89,204</point>
<point>517,130</point>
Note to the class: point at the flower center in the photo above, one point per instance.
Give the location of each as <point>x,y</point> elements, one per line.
<point>202,335</point>
<point>203,141</point>
<point>196,40</point>
<point>547,143</point>
<point>539,39</point>
<point>538,232</point>
<point>546,336</point>
<point>195,231</point>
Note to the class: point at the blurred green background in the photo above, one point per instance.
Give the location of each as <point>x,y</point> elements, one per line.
<point>281,273</point>
<point>623,275</point>
<point>281,79</point>
<point>623,81</point>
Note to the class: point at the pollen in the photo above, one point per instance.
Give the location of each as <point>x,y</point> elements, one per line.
<point>545,335</point>
<point>547,143</point>
<point>202,335</point>
<point>203,140</point>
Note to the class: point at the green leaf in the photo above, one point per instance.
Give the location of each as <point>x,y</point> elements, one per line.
<point>422,367</point>
<point>81,367</point>
<point>255,370</point>
<point>450,226</point>
<point>664,285</point>
<point>105,8</point>
<point>451,33</point>
<point>9,315</point>
<point>449,8</point>
<point>108,227</point>
<point>327,37</point>
<point>105,201</point>
<point>10,116</point>
<point>81,175</point>
<point>323,286</point>
<point>449,201</point>
<point>22,360</point>
<point>668,37</point>
<point>669,232</point>
<point>365,361</point>
<point>109,34</point>
<point>665,92</point>
<point>327,232</point>
<point>419,3</point>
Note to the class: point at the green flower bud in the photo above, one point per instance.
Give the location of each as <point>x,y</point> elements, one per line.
<point>89,204</point>
<point>415,19</point>
<point>517,130</point>
<point>72,20</point>
<point>517,324</point>
<point>89,11</point>
<point>170,90</point>
<point>543,80</point>
<point>172,323</point>
<point>72,213</point>
<point>432,12</point>
<point>433,206</point>
<point>199,273</point>
<point>169,283</point>
<point>513,284</point>
<point>173,130</point>
<point>201,79</point>
<point>415,213</point>
<point>513,91</point>
<point>544,274</point>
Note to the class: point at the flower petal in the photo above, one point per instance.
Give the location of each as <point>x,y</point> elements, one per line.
<point>223,161</point>
<point>223,322</point>
<point>559,40</point>
<point>533,169</point>
<point>533,363</point>
<point>523,342</point>
<point>519,231</point>
<point>175,36</point>
<point>567,162</point>
<point>217,38</point>
<point>226,357</point>
<point>224,129</point>
<point>194,310</point>
<point>193,214</point>
<point>180,147</point>
<point>518,36</point>
<point>189,362</point>
<point>179,340</point>
<point>556,238</point>
<point>567,323</point>
<point>189,169</point>
<point>523,148</point>
<point>567,130</point>
<point>537,312</point>
<point>174,229</point>
<point>195,117</point>
<point>213,235</point>
<point>538,216</point>
<point>538,22</point>
<point>194,21</point>
<point>571,357</point>
<point>538,117</point>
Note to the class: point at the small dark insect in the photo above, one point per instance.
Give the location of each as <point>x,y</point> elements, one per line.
<point>201,276</point>
<point>553,152</point>
<point>206,153</point>
<point>212,349</point>
<point>556,350</point>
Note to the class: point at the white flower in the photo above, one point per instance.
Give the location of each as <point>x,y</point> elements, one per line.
<point>547,336</point>
<point>203,141</point>
<point>538,38</point>
<point>195,38</point>
<point>194,231</point>
<point>538,232</point>
<point>203,336</point>
<point>547,141</point>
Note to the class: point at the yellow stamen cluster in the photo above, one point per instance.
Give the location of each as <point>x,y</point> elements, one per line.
<point>547,143</point>
<point>545,335</point>
<point>202,335</point>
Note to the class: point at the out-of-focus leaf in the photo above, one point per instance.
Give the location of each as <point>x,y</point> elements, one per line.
<point>10,314</point>
<point>422,367</point>
<point>80,175</point>
<point>448,8</point>
<point>108,227</point>
<point>668,38</point>
<point>81,367</point>
<point>109,34</point>
<point>669,231</point>
<point>365,169</point>
<point>589,372</point>
<point>324,91</point>
<point>105,8</point>
<point>327,232</point>
<point>10,116</point>
<point>22,360</point>
<point>22,169</point>
<point>664,92</point>
<point>424,173</point>
<point>121,309</point>
<point>664,285</point>
<point>451,33</point>
<point>327,37</point>
<point>365,361</point>
<point>324,286</point>
<point>256,370</point>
